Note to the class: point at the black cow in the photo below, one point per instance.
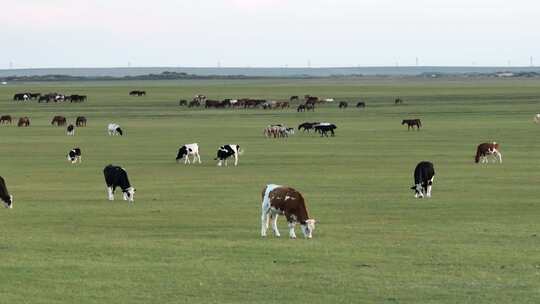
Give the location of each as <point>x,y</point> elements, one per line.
<point>226,151</point>
<point>423,179</point>
<point>4,194</point>
<point>324,128</point>
<point>117,177</point>
<point>75,155</point>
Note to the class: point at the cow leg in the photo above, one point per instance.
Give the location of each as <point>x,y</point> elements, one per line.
<point>292,235</point>
<point>110,193</point>
<point>236,159</point>
<point>219,163</point>
<point>186,159</point>
<point>199,157</point>
<point>264,220</point>
<point>430,183</point>
<point>273,218</point>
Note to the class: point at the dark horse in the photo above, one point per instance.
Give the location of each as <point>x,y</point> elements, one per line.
<point>398,101</point>
<point>361,104</point>
<point>411,123</point>
<point>307,126</point>
<point>137,93</point>
<point>343,104</point>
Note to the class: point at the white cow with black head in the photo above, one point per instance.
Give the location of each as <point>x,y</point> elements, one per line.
<point>75,155</point>
<point>424,173</point>
<point>186,150</point>
<point>114,129</point>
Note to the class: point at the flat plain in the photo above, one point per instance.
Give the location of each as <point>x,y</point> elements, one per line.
<point>193,234</point>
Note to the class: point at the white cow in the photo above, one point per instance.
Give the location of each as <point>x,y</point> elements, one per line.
<point>114,129</point>
<point>537,118</point>
<point>186,150</point>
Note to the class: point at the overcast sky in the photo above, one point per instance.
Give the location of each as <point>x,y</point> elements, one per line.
<point>256,33</point>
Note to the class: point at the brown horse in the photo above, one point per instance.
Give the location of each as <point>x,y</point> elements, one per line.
<point>59,121</point>
<point>24,122</point>
<point>5,119</point>
<point>80,121</point>
<point>411,123</point>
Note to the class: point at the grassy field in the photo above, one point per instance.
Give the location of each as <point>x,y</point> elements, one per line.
<point>192,235</point>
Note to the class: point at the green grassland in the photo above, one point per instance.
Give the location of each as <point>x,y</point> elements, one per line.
<point>192,235</point>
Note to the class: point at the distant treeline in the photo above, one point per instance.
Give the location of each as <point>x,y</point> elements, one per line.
<point>184,76</point>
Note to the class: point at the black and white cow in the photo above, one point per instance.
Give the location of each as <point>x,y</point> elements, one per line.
<point>114,129</point>
<point>6,198</point>
<point>75,155</point>
<point>424,173</point>
<point>226,151</point>
<point>70,130</point>
<point>186,150</point>
<point>116,176</point>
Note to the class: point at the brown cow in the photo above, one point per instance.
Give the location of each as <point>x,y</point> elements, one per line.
<point>5,119</point>
<point>59,121</point>
<point>485,149</point>
<point>24,122</point>
<point>289,202</point>
<point>80,121</point>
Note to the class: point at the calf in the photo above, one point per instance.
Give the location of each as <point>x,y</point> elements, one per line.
<point>226,151</point>
<point>117,177</point>
<point>287,201</point>
<point>423,179</point>
<point>6,198</point>
<point>114,129</point>
<point>186,150</point>
<point>75,155</point>
<point>324,128</point>
<point>485,149</point>
<point>70,130</point>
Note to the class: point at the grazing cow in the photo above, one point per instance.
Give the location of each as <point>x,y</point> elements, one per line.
<point>182,102</point>
<point>398,101</point>
<point>287,201</point>
<point>75,155</point>
<point>324,128</point>
<point>4,194</point>
<point>411,123</point>
<point>23,122</point>
<point>307,126</point>
<point>5,119</point>
<point>59,121</point>
<point>423,179</point>
<point>114,129</point>
<point>537,118</point>
<point>343,104</point>
<point>70,130</point>
<point>301,108</point>
<point>80,121</point>
<point>116,176</point>
<point>186,150</point>
<point>310,106</point>
<point>226,151</point>
<point>137,93</point>
<point>485,149</point>
<point>361,104</point>
<point>21,96</point>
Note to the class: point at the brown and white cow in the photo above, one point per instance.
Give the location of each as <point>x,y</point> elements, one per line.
<point>485,149</point>
<point>278,200</point>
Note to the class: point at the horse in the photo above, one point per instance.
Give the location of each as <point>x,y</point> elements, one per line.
<point>5,119</point>
<point>398,101</point>
<point>59,121</point>
<point>361,104</point>
<point>24,122</point>
<point>182,102</point>
<point>293,98</point>
<point>343,104</point>
<point>307,126</point>
<point>411,123</point>
<point>80,121</point>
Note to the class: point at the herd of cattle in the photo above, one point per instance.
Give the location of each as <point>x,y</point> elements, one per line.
<point>49,97</point>
<point>276,200</point>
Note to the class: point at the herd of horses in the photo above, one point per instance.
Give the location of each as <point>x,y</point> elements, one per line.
<point>59,121</point>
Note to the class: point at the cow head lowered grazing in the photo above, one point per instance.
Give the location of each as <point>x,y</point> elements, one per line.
<point>116,176</point>
<point>486,149</point>
<point>278,200</point>
<point>6,198</point>
<point>423,179</point>
<point>186,150</point>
